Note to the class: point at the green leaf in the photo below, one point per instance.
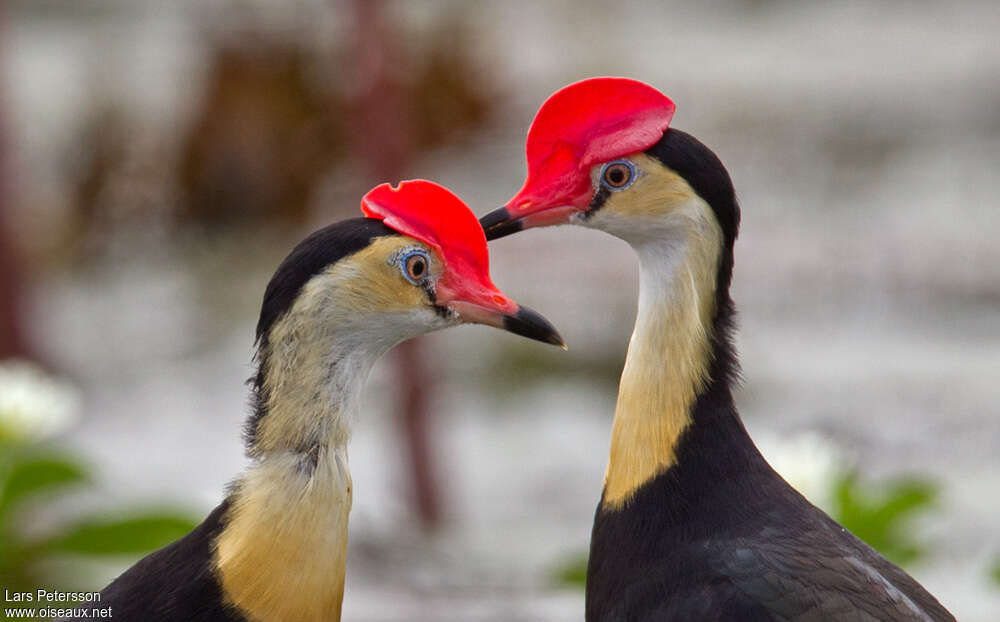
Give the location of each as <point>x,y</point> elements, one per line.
<point>102,536</point>
<point>881,518</point>
<point>35,475</point>
<point>995,571</point>
<point>573,573</point>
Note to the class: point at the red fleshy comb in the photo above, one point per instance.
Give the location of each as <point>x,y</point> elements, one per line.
<point>580,125</point>
<point>431,213</point>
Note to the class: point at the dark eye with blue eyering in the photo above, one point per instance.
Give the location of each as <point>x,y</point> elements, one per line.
<point>414,266</point>
<point>617,175</point>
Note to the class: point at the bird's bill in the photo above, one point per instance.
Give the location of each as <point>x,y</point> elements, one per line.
<point>504,221</point>
<point>475,299</point>
<point>551,201</point>
<point>522,321</point>
<point>492,308</point>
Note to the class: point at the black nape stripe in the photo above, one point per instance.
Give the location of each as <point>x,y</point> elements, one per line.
<point>704,172</point>
<point>310,257</point>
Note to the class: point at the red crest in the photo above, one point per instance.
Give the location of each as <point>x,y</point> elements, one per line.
<point>583,124</point>
<point>431,213</point>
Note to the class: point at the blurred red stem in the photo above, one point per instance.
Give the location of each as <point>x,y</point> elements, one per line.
<point>382,139</point>
<point>12,338</point>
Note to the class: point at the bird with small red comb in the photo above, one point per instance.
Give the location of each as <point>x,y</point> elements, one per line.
<point>274,549</point>
<point>693,524</point>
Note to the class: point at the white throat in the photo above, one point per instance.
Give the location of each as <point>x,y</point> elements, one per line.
<point>312,393</point>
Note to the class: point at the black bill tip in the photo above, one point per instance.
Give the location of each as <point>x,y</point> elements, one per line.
<point>530,324</point>
<point>498,224</point>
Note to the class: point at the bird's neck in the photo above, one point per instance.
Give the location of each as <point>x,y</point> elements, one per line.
<point>670,353</point>
<point>282,552</point>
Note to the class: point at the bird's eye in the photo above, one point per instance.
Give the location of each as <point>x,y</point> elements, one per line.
<point>415,265</point>
<point>617,175</point>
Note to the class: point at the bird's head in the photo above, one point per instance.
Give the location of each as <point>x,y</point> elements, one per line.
<point>416,264</point>
<point>600,153</point>
<point>351,291</point>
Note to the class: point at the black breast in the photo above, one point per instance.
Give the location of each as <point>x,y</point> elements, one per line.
<point>721,536</point>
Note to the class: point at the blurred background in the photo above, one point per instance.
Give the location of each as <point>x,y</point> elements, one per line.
<point>157,161</point>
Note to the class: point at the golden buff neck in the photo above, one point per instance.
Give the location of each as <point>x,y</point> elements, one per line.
<point>670,349</point>
<point>281,556</point>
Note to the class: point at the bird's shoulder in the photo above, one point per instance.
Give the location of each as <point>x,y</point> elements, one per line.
<point>175,583</point>
<point>802,565</point>
<point>782,561</point>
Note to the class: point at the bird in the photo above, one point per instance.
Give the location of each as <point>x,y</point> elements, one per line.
<point>274,549</point>
<point>692,523</point>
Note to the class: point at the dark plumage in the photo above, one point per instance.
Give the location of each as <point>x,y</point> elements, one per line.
<point>177,582</point>
<point>322,248</point>
<point>720,535</point>
<point>276,549</point>
<point>311,256</point>
<point>693,524</point>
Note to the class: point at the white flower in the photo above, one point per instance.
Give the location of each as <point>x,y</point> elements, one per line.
<point>809,461</point>
<point>33,404</point>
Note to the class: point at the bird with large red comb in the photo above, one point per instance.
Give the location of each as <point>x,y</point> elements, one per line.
<point>274,549</point>
<point>693,524</point>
